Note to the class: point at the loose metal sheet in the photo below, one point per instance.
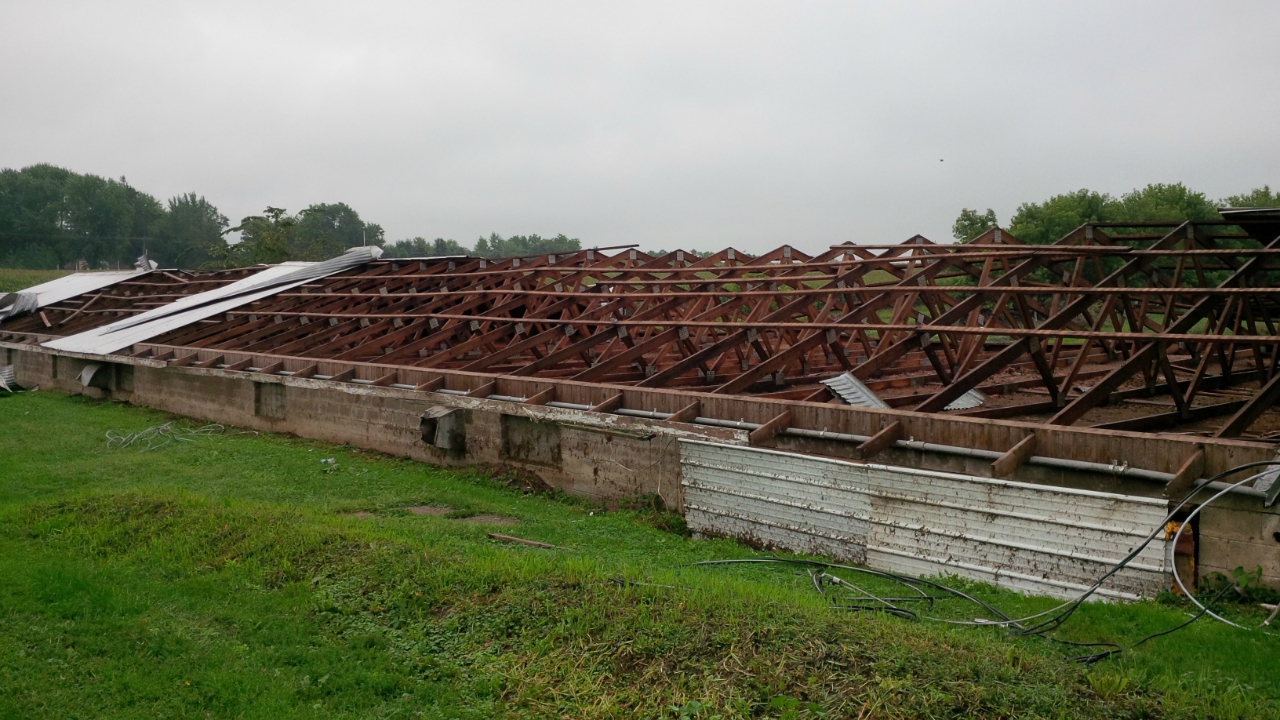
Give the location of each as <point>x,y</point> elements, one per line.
<point>59,289</point>
<point>854,392</point>
<point>194,308</point>
<point>1040,539</point>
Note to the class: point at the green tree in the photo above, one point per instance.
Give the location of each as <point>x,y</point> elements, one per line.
<point>1043,223</point>
<point>421,247</point>
<point>50,216</point>
<point>972,223</point>
<point>190,234</point>
<point>1162,202</point>
<point>325,230</point>
<point>267,238</point>
<point>1258,197</point>
<point>521,245</point>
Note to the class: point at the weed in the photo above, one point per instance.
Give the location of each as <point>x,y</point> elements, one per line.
<point>1108,686</point>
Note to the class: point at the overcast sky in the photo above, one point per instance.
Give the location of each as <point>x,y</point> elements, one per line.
<point>695,125</point>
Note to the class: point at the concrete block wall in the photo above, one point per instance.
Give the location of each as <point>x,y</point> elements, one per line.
<point>604,463</point>
<point>1240,533</point>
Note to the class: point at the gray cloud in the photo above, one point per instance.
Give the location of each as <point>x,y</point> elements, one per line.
<point>665,124</point>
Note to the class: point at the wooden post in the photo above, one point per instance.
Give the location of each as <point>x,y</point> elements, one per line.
<point>887,436</point>
<point>1018,454</point>
<point>767,431</point>
<point>608,405</point>
<point>431,385</point>
<point>1186,476</point>
<point>542,397</point>
<point>344,376</point>
<point>688,413</point>
<point>272,369</point>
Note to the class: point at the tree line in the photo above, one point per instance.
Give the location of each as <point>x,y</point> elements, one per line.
<point>1044,222</point>
<point>51,217</point>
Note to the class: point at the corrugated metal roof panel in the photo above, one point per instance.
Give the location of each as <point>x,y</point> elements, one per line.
<point>971,399</point>
<point>853,391</point>
<point>193,308</point>
<point>69,286</point>
<point>75,284</point>
<point>271,280</point>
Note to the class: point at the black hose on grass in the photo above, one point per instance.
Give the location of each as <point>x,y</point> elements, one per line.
<point>1054,617</point>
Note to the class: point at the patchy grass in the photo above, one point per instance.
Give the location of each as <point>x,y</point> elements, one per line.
<point>12,280</point>
<point>232,577</point>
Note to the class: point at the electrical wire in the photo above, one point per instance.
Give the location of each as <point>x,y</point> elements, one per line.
<point>1178,579</point>
<point>1194,618</point>
<point>158,436</point>
<point>1054,617</point>
<point>1068,608</point>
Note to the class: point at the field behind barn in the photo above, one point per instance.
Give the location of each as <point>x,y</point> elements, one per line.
<point>13,280</point>
<point>240,575</point>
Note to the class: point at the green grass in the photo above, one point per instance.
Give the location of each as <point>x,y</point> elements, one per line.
<point>229,577</point>
<point>12,280</point>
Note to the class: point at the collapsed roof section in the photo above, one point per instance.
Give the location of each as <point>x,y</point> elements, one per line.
<point>58,290</point>
<point>83,301</point>
<point>185,311</point>
<point>1145,327</point>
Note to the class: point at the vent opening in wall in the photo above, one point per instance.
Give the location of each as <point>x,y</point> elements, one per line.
<point>444,428</point>
<point>268,400</point>
<point>94,375</point>
<point>124,378</point>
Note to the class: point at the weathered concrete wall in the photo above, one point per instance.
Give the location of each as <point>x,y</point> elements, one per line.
<point>1237,532</point>
<point>607,458</point>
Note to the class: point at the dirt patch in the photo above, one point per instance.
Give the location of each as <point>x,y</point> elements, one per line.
<point>518,478</point>
<point>430,509</point>
<point>489,520</point>
<point>361,514</point>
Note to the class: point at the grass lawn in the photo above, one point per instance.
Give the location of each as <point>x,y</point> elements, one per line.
<point>240,576</point>
<point>14,280</point>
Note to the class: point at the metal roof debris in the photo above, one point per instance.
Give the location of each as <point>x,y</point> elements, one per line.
<point>854,392</point>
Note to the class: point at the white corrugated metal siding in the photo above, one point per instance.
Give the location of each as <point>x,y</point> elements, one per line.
<point>1040,539</point>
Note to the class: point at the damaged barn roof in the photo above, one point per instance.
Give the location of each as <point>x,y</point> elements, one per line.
<point>118,335</point>
<point>1148,328</point>
<point>38,296</point>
